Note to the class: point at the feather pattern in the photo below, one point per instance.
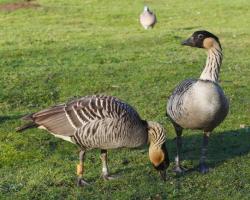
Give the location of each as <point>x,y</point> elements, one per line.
<point>176,107</point>
<point>95,122</point>
<point>213,63</point>
<point>102,122</point>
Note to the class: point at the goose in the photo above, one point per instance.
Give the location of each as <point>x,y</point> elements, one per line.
<point>147,18</point>
<point>199,103</point>
<point>102,122</point>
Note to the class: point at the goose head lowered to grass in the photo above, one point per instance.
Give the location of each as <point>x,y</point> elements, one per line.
<point>102,122</point>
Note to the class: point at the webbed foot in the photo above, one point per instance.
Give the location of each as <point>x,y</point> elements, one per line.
<point>179,170</point>
<point>81,182</point>
<point>109,177</point>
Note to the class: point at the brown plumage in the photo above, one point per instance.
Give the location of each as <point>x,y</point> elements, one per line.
<point>103,122</point>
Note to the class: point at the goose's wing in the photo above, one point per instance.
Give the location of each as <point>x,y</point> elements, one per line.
<point>65,119</point>
<point>183,87</point>
<point>175,101</point>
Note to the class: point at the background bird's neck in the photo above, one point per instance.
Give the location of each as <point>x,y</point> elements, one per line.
<point>213,63</point>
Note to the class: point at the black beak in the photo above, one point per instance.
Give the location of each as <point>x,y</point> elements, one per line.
<point>163,174</point>
<point>188,42</point>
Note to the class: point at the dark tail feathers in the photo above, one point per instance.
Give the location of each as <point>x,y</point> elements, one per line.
<point>30,124</point>
<point>26,126</point>
<point>28,117</point>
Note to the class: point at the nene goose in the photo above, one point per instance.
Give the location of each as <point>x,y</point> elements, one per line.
<point>147,18</point>
<point>199,103</point>
<point>102,122</point>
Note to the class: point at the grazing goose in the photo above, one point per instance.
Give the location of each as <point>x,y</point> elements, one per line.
<point>147,18</point>
<point>102,122</point>
<point>199,103</point>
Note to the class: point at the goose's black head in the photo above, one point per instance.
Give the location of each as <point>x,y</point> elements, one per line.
<point>202,39</point>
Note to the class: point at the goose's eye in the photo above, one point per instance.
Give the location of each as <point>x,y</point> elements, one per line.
<point>200,36</point>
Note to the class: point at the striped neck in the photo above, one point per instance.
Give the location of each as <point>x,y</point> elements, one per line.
<point>156,135</point>
<point>213,63</point>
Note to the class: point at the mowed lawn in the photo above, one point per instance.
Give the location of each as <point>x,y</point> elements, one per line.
<point>66,49</point>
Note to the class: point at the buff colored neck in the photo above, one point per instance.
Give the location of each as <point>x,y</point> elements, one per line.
<point>214,60</point>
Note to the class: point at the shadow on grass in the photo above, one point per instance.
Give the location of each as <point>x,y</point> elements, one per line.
<point>4,119</point>
<point>222,146</point>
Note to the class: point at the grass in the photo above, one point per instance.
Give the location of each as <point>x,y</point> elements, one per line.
<point>66,49</point>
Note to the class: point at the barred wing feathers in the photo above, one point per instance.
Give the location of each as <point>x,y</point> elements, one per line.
<point>175,102</point>
<point>65,119</point>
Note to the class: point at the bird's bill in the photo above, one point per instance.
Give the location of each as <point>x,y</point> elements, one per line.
<point>188,42</point>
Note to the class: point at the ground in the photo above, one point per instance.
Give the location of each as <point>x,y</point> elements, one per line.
<point>65,49</point>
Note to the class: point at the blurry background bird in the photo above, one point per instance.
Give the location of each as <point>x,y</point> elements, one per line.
<point>147,18</point>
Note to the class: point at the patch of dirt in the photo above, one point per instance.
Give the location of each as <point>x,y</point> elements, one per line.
<point>10,7</point>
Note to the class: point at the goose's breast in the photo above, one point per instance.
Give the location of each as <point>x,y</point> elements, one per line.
<point>205,106</point>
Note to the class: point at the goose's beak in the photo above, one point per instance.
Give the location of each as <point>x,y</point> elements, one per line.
<point>188,42</point>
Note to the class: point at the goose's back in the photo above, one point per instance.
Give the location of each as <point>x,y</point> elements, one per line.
<point>198,104</point>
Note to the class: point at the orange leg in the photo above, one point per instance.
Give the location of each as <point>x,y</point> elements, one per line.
<point>80,170</point>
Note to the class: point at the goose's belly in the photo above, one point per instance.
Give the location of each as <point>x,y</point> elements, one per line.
<point>112,135</point>
<point>205,106</point>
<point>120,143</point>
<point>136,139</point>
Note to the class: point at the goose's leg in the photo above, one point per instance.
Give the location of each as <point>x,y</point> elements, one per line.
<point>178,168</point>
<point>80,169</point>
<point>203,166</point>
<point>105,170</point>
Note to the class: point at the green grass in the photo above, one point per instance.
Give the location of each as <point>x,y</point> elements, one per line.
<point>74,48</point>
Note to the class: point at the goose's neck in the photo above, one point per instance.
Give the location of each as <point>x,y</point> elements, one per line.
<point>213,63</point>
<point>156,135</point>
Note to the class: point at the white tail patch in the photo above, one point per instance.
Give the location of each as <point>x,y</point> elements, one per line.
<point>66,138</point>
<point>43,127</point>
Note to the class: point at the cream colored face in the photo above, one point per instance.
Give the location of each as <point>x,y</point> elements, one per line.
<point>208,43</point>
<point>159,159</point>
<point>156,157</point>
<point>202,39</point>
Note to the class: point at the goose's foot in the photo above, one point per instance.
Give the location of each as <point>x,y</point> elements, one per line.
<point>109,177</point>
<point>81,182</point>
<point>179,170</point>
<point>203,168</point>
<point>105,170</point>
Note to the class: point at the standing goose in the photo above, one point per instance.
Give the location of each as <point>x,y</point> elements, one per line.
<point>199,103</point>
<point>102,122</point>
<point>147,18</point>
